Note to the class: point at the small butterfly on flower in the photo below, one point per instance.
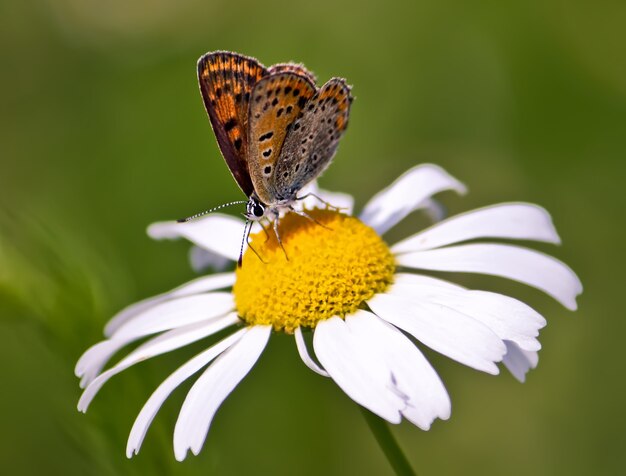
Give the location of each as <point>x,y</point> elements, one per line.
<point>275,128</point>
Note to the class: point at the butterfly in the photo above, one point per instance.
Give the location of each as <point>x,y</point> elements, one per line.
<point>275,128</point>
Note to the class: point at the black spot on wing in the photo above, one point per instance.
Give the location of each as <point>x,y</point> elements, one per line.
<point>230,124</point>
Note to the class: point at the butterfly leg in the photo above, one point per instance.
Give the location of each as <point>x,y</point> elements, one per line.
<point>280,242</point>
<point>320,199</point>
<point>267,235</point>
<point>255,251</point>
<point>304,214</point>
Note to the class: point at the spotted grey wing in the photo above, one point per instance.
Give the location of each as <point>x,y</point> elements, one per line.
<point>313,138</point>
<point>226,82</point>
<point>277,101</point>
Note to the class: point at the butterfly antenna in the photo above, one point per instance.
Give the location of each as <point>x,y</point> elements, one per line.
<point>246,233</point>
<point>246,239</point>
<point>206,212</point>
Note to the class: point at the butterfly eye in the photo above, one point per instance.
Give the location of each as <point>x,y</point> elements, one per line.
<point>258,210</point>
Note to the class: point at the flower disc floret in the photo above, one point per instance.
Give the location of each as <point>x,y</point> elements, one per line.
<point>329,268</point>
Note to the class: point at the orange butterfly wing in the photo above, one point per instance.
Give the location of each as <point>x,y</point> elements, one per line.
<point>226,83</point>
<point>276,103</point>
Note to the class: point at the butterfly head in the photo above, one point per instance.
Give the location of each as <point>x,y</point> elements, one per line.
<point>255,209</point>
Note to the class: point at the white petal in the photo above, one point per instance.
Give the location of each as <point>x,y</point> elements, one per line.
<point>218,233</point>
<point>360,373</point>
<point>520,221</point>
<point>411,376</point>
<point>406,194</point>
<point>339,200</point>
<point>212,388</point>
<point>508,318</point>
<point>304,354</point>
<point>202,260</point>
<point>161,344</point>
<point>435,210</point>
<point>176,313</point>
<point>152,406</point>
<point>199,285</point>
<point>421,280</point>
<point>95,358</point>
<point>520,264</point>
<point>519,361</point>
<point>135,324</point>
<point>442,329</point>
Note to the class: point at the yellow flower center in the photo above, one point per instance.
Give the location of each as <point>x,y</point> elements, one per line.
<point>330,269</point>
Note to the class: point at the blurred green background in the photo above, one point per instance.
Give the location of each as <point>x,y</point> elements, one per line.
<point>102,131</point>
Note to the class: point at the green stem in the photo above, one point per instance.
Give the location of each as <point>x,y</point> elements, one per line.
<point>388,444</point>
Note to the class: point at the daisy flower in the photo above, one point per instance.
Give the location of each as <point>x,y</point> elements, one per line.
<point>361,298</point>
